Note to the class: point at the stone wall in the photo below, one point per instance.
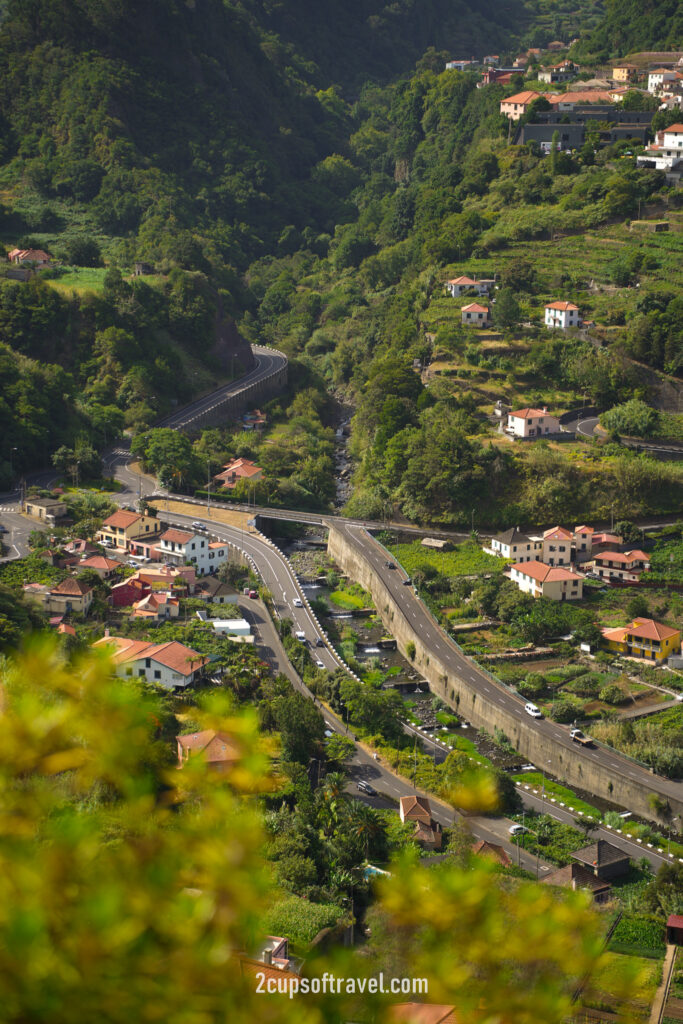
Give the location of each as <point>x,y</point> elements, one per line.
<point>571,765</point>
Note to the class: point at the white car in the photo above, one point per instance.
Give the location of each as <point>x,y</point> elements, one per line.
<point>318,663</point>
<point>532,710</point>
<point>297,602</point>
<point>516,830</point>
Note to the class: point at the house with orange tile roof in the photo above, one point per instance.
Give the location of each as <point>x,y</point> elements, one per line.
<point>624,72</point>
<point>530,422</point>
<point>627,566</point>
<point>66,597</point>
<point>666,152</point>
<point>557,546</point>
<point>33,257</point>
<point>540,580</point>
<point>122,527</point>
<point>156,607</point>
<point>238,469</point>
<point>457,285</point>
<point>485,849</point>
<point>217,749</point>
<point>643,638</point>
<point>170,665</point>
<point>103,566</point>
<point>418,809</point>
<point>516,106</point>
<point>564,101</point>
<point>606,541</point>
<point>474,315</point>
<point>583,542</point>
<point>562,314</point>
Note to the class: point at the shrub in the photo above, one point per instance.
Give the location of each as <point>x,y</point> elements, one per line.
<point>612,694</point>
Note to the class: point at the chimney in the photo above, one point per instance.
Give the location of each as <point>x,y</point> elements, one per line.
<point>106,632</point>
<point>267,956</point>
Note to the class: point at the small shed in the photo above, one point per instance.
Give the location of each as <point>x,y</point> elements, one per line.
<point>603,859</point>
<point>436,543</point>
<point>674,929</point>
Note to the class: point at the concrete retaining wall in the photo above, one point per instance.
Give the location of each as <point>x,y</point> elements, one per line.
<point>234,405</point>
<point>566,764</point>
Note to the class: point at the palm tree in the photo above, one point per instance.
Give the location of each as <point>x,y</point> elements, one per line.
<point>365,824</point>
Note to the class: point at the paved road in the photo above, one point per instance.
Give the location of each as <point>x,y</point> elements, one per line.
<point>268,361</point>
<point>438,643</point>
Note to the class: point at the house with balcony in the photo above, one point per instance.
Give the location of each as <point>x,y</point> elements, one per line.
<point>540,580</point>
<point>181,547</point>
<point>122,529</point>
<point>623,566</point>
<point>457,286</point>
<point>643,638</point>
<point>170,665</point>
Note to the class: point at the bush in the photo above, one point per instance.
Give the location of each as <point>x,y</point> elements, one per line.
<point>566,709</point>
<point>612,694</point>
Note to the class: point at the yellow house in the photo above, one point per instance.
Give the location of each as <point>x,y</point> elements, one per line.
<point>119,529</point>
<point>624,72</point>
<point>643,638</point>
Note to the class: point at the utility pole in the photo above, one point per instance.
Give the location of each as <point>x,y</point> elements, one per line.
<point>208,487</point>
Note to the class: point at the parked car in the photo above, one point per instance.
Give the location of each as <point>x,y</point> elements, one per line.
<point>532,710</point>
<point>253,593</point>
<point>517,830</point>
<point>365,787</point>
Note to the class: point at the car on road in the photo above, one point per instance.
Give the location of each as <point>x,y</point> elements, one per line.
<point>579,737</point>
<point>253,593</point>
<point>408,582</point>
<point>319,642</point>
<point>517,830</point>
<point>198,526</point>
<point>297,602</point>
<point>532,710</point>
<point>365,787</point>
<point>390,565</point>
<point>318,663</point>
<point>300,636</point>
<point>328,733</point>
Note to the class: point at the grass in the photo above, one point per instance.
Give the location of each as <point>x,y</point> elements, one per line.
<point>535,781</point>
<point>81,280</point>
<point>351,600</point>
<point>467,559</point>
<point>638,936</point>
<point>607,980</point>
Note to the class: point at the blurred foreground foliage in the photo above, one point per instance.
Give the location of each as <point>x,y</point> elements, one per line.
<point>127,887</point>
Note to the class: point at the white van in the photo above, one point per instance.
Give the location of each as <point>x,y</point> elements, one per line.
<point>532,710</point>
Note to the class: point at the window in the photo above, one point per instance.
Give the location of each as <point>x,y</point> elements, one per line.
<point>141,672</point>
<point>193,546</point>
<point>157,673</point>
<point>148,662</point>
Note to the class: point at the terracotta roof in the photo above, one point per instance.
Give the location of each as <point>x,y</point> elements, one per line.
<point>606,538</point>
<point>600,854</point>
<point>422,1013</point>
<point>122,519</point>
<point>173,536</point>
<point>528,96</point>
<point>584,529</point>
<point>676,129</point>
<point>64,627</point>
<point>196,742</point>
<point>674,921</point>
<point>171,654</point>
<point>218,544</point>
<point>618,635</point>
<point>576,877</point>
<point>557,533</point>
<point>521,414</point>
<point>99,562</point>
<point>648,629</point>
<point>561,305</point>
<point>416,808</point>
<point>71,586</point>
<point>461,280</point>
<point>582,96</point>
<point>28,254</point>
<point>545,573</point>
<point>474,307</point>
<point>484,848</point>
<point>622,556</point>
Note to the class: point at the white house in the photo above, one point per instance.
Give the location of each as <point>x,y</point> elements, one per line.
<point>621,565</point>
<point>171,665</point>
<point>657,79</point>
<point>562,314</point>
<point>460,65</point>
<point>557,546</point>
<point>461,284</point>
<point>475,315</point>
<point>515,545</point>
<point>177,547</point>
<point>532,423</point>
<point>666,152</point>
<point>553,582</point>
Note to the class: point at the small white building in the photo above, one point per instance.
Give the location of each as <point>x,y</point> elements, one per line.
<point>178,547</point>
<point>666,152</point>
<point>458,285</point>
<point>460,65</point>
<point>515,545</point>
<point>660,77</point>
<point>557,546</point>
<point>532,423</point>
<point>554,582</point>
<point>562,315</point>
<point>475,315</point>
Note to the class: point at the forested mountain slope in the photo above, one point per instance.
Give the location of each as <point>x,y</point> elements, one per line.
<point>632,25</point>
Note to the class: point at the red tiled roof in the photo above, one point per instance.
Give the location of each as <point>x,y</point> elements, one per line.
<point>618,635</point>
<point>648,629</point>
<point>64,627</point>
<point>564,306</point>
<point>528,96</point>
<point>557,533</point>
<point>218,544</point>
<point>73,587</point>
<point>461,280</point>
<point>674,921</point>
<point>582,96</point>
<point>675,129</point>
<point>171,654</point>
<point>177,536</point>
<point>606,538</point>
<point>98,562</point>
<point>474,307</point>
<point>483,847</point>
<point>196,742</point>
<point>584,529</point>
<point>416,808</point>
<point>121,519</point>
<point>545,573</point>
<point>622,556</point>
<point>521,414</point>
